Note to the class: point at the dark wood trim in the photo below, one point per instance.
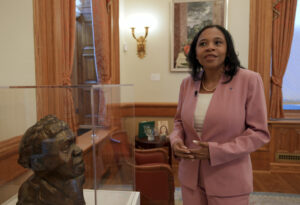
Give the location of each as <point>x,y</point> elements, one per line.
<point>9,154</point>
<point>155,109</point>
<point>284,168</point>
<point>149,109</point>
<point>292,114</point>
<point>284,122</point>
<point>9,146</point>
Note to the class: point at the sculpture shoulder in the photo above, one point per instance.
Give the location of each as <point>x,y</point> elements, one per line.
<point>28,193</point>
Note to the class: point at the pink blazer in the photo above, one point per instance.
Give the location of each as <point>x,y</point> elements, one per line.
<point>235,125</point>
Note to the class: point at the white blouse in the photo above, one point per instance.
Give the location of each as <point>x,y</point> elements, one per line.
<point>203,101</point>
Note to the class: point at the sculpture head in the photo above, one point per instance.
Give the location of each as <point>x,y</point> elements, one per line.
<point>48,147</point>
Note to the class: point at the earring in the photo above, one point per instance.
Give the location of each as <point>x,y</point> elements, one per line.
<point>199,69</point>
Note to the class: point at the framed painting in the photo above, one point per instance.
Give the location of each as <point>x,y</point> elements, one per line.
<point>188,17</point>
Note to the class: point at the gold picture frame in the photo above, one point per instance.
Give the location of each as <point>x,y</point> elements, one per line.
<point>188,17</point>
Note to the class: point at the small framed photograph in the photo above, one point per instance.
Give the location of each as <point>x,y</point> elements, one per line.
<point>146,129</point>
<point>162,128</point>
<point>187,18</point>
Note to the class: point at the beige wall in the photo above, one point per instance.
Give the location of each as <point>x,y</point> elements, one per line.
<point>238,26</point>
<point>157,61</point>
<point>17,108</point>
<point>16,40</point>
<point>138,71</point>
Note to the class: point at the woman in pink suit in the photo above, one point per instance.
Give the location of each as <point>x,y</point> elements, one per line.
<point>221,118</point>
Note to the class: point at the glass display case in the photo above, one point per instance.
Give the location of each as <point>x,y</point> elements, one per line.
<point>101,118</point>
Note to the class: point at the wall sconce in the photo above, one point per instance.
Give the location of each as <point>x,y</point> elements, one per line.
<point>141,42</point>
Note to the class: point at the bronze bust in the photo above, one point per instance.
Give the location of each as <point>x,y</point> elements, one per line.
<point>49,149</point>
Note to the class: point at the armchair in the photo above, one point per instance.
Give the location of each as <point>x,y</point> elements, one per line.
<point>154,177</point>
<point>153,173</point>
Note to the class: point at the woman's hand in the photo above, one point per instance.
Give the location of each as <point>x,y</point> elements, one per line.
<point>180,150</point>
<point>202,152</point>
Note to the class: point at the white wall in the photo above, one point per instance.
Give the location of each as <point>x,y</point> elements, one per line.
<point>16,40</point>
<point>238,26</point>
<point>138,71</point>
<point>17,107</point>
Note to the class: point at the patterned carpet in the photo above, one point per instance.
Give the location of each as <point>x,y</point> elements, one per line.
<point>268,198</point>
<point>259,198</point>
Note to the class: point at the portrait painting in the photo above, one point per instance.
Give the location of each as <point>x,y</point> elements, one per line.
<point>163,128</point>
<point>188,17</point>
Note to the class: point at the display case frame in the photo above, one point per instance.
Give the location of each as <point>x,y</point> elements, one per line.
<point>101,127</point>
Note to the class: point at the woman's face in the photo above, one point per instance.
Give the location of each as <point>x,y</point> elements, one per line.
<point>211,49</point>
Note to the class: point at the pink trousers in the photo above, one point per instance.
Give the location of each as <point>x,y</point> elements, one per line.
<point>199,197</point>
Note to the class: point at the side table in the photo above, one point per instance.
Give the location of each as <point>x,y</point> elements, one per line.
<point>144,143</point>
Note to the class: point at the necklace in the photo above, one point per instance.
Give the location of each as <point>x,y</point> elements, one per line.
<point>206,89</point>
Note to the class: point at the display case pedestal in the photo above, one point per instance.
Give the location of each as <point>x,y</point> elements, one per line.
<point>103,197</point>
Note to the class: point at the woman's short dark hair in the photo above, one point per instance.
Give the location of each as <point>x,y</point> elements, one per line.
<point>231,61</point>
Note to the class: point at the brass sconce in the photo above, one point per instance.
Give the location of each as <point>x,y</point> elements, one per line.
<point>141,42</point>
